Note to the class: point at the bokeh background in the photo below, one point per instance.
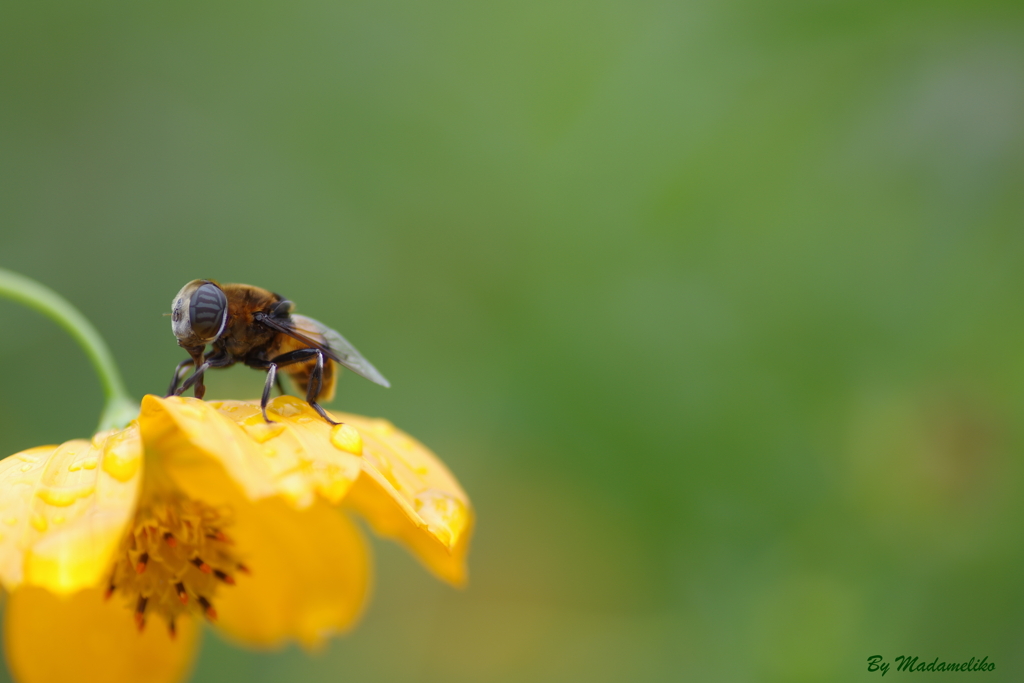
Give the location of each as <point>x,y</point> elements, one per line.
<point>714,308</point>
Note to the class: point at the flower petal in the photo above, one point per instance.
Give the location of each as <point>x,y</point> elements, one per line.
<point>83,638</point>
<point>65,509</point>
<point>292,457</point>
<point>309,569</point>
<point>408,494</point>
<point>402,488</point>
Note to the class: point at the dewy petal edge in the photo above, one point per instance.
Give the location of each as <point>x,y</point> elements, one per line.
<point>74,503</point>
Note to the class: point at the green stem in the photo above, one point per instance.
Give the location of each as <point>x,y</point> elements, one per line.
<point>120,409</point>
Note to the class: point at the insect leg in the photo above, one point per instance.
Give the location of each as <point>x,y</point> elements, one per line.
<point>178,373</point>
<point>313,390</point>
<point>316,377</point>
<point>271,377</point>
<point>192,379</point>
<point>296,356</point>
<point>196,378</point>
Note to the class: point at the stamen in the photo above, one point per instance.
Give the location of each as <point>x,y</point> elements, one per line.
<point>207,608</point>
<point>140,613</point>
<point>218,535</point>
<point>170,533</point>
<point>242,568</point>
<point>230,580</point>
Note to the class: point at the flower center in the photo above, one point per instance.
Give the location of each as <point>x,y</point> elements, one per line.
<point>173,560</point>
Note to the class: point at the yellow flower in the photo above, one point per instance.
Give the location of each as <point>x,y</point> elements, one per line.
<point>112,550</point>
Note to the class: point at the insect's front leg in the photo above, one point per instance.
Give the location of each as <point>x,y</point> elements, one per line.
<point>196,378</point>
<point>196,351</point>
<point>179,372</point>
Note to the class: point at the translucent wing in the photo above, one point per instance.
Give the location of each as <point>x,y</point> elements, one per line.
<point>335,346</point>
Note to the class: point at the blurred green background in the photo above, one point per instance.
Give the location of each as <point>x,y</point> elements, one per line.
<point>714,308</point>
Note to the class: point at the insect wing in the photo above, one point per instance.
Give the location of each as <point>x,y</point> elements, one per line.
<point>338,348</point>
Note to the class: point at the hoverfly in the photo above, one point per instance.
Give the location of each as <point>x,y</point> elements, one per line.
<point>256,327</point>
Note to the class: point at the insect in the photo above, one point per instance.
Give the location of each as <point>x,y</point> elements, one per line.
<point>256,327</point>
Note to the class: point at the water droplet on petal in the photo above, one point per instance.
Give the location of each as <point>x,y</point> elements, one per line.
<point>288,408</point>
<point>346,438</point>
<point>445,515</point>
<point>261,431</point>
<point>122,458</point>
<point>39,522</point>
<point>63,497</point>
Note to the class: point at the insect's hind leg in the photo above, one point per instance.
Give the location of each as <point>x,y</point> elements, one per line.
<point>316,380</point>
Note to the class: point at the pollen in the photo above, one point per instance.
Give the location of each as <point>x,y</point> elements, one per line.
<point>173,561</point>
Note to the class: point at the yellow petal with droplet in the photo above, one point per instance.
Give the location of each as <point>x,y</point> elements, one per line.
<point>408,494</point>
<point>63,496</point>
<point>345,437</point>
<point>402,488</point>
<point>65,520</point>
<point>291,457</point>
<point>121,456</point>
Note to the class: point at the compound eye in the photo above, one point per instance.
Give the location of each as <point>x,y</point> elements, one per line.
<point>208,312</point>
